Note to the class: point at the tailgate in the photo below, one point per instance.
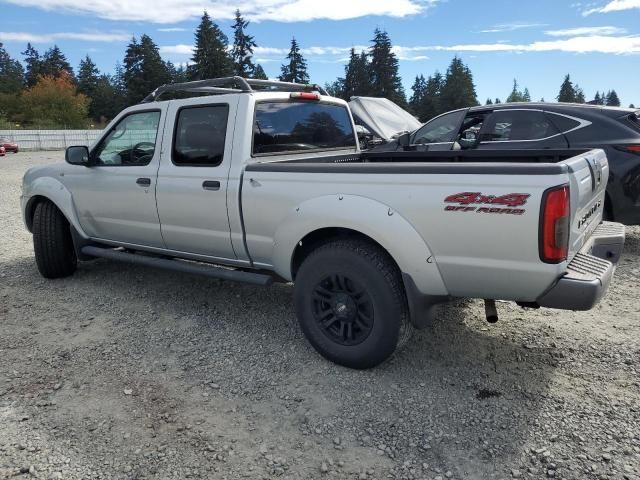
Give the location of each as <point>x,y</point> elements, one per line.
<point>588,175</point>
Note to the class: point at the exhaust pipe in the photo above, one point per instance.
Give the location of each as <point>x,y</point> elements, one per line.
<point>490,311</point>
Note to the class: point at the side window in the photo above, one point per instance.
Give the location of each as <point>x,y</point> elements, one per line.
<point>563,123</point>
<point>441,129</point>
<point>517,125</point>
<point>132,142</point>
<point>300,126</point>
<point>200,135</point>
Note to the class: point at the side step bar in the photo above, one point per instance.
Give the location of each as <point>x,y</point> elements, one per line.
<point>179,266</point>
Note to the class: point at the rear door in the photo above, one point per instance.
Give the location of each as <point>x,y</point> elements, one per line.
<point>192,180</point>
<point>520,129</point>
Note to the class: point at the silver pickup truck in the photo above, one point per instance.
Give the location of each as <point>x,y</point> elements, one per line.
<point>259,181</point>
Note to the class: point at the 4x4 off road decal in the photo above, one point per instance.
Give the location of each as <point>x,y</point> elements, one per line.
<point>503,204</point>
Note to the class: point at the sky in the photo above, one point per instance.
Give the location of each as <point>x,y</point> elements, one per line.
<point>536,42</point>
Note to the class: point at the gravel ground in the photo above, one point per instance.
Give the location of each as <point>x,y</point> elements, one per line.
<point>130,373</point>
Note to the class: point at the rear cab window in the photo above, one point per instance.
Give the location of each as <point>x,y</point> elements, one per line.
<point>300,126</point>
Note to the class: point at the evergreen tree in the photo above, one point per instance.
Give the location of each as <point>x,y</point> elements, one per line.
<point>458,90</point>
<point>335,88</point>
<point>356,75</point>
<point>419,89</point>
<point>567,91</point>
<point>384,78</point>
<point>259,73</point>
<point>497,101</point>
<point>144,70</point>
<point>88,77</point>
<point>34,62</point>
<point>489,102</point>
<point>612,99</point>
<point>517,96</point>
<point>598,100</point>
<point>580,98</point>
<point>180,74</point>
<point>431,103</point>
<point>210,57</point>
<point>296,68</point>
<point>631,105</point>
<point>105,101</point>
<point>54,63</point>
<point>242,51</point>
<point>11,73</point>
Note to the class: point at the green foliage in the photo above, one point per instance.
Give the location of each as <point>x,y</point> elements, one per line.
<point>33,61</point>
<point>53,102</point>
<point>517,96</point>
<point>631,105</point>
<point>384,78</point>
<point>295,70</point>
<point>458,90</point>
<point>242,51</point>
<point>144,70</point>
<point>612,99</point>
<point>356,76</point>
<point>567,91</point>
<point>54,63</point>
<point>11,73</point>
<point>259,73</point>
<point>210,57</point>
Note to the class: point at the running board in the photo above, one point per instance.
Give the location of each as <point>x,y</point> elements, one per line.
<point>179,266</point>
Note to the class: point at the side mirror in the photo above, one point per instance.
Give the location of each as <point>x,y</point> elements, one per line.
<point>404,140</point>
<point>77,155</point>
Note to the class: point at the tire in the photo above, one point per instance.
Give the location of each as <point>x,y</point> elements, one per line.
<point>351,304</point>
<point>52,242</point>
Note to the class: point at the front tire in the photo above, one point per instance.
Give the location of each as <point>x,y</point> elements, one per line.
<point>52,242</point>
<point>350,303</point>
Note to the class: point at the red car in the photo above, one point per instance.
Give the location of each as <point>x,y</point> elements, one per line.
<point>8,145</point>
<point>2,151</point>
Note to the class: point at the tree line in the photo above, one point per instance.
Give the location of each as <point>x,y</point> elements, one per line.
<point>46,92</point>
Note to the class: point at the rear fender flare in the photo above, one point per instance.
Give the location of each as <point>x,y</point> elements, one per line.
<point>365,216</point>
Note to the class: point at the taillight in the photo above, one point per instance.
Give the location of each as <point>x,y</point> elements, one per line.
<point>630,148</point>
<point>305,96</point>
<point>555,225</point>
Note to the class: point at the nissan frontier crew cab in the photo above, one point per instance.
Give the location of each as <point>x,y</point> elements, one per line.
<point>260,181</point>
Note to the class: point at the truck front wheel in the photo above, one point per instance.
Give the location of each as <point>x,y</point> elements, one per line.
<point>351,304</point>
<point>52,242</point>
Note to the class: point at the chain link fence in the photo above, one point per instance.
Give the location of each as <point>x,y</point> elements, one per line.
<point>50,139</point>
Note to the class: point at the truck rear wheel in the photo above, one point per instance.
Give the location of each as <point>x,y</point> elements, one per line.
<point>52,242</point>
<point>351,304</point>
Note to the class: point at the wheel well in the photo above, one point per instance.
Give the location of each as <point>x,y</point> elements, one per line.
<point>313,240</point>
<point>30,209</point>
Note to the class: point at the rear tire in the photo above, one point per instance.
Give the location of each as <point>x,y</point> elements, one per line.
<point>52,242</point>
<point>351,304</point>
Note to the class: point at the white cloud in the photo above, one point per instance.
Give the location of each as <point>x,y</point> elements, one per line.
<point>24,37</point>
<point>511,27</point>
<point>174,11</point>
<point>586,44</point>
<point>172,29</point>
<point>570,32</point>
<point>180,49</point>
<point>614,6</point>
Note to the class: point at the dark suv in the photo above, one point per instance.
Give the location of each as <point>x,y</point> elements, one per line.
<point>546,125</point>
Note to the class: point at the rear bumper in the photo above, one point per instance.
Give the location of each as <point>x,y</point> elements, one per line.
<point>589,273</point>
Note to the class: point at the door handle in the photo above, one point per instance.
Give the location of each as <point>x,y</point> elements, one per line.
<point>211,185</point>
<point>144,182</point>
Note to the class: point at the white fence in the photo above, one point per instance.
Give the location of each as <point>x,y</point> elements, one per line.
<point>50,139</point>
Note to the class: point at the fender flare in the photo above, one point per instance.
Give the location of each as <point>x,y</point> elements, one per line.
<point>50,189</point>
<point>368,217</point>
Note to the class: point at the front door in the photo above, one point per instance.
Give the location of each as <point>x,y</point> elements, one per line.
<point>115,197</point>
<point>192,180</point>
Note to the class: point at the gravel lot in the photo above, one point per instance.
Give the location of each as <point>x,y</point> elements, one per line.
<point>130,373</point>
